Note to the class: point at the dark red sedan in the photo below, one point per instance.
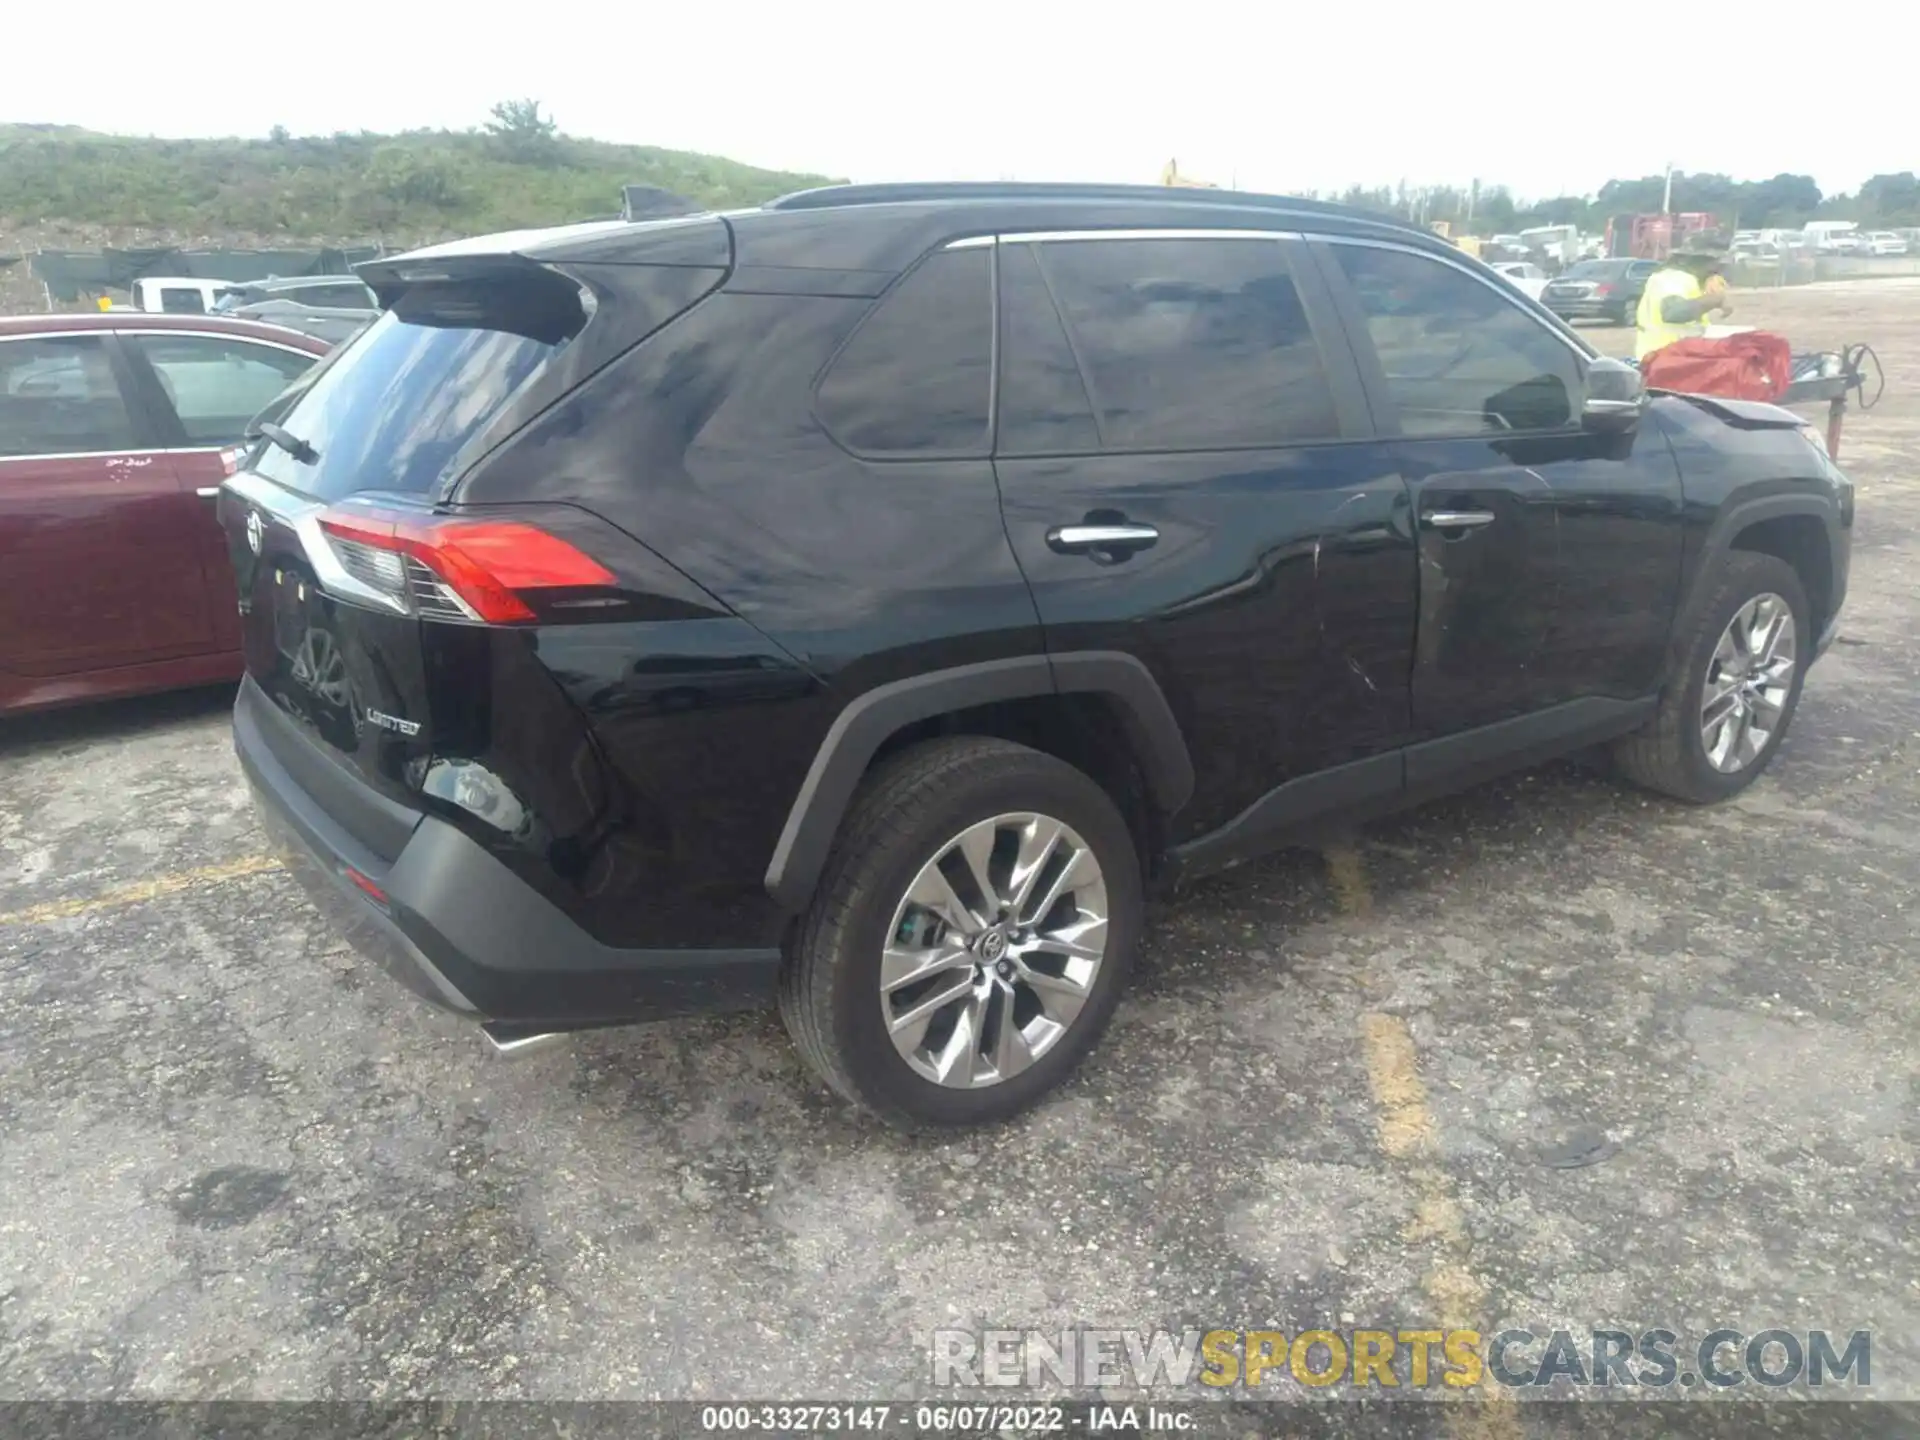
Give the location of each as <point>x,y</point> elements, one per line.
<point>114,435</point>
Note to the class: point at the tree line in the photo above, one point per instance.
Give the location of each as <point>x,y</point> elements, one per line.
<point>1783,202</point>
<point>519,169</point>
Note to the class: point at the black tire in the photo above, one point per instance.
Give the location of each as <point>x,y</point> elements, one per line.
<point>907,809</point>
<point>1669,754</point>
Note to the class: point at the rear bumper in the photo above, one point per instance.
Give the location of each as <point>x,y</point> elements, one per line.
<point>457,927</point>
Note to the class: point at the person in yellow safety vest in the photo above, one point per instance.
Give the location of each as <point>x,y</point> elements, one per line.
<point>1678,298</point>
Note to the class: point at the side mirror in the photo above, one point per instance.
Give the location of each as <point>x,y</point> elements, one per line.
<point>1616,396</point>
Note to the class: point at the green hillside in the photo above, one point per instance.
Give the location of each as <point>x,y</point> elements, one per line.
<point>519,171</point>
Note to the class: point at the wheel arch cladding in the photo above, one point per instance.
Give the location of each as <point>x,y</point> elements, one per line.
<point>1800,539</point>
<point>871,719</point>
<point>1799,529</point>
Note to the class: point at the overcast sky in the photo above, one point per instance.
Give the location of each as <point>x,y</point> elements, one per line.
<point>1282,97</point>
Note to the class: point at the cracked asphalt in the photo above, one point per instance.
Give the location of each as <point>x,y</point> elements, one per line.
<point>1553,1053</point>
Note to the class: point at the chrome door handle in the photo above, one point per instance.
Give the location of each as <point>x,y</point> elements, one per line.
<point>207,492</point>
<point>1092,539</point>
<point>1456,519</point>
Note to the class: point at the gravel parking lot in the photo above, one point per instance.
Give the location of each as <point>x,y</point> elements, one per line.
<point>1552,1053</point>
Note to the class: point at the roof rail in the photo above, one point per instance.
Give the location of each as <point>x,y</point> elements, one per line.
<point>829,197</point>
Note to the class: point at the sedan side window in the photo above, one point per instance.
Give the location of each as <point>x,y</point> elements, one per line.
<point>1459,357</point>
<point>58,396</point>
<point>217,385</point>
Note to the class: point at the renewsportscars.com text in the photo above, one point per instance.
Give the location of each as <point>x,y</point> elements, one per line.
<point>1407,1358</point>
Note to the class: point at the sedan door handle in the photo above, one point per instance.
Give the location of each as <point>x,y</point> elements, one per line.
<point>1097,540</point>
<point>1456,519</point>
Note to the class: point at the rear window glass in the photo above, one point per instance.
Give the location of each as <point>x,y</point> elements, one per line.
<point>399,409</point>
<point>1596,270</point>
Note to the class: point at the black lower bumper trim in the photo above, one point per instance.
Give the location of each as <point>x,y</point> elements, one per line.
<point>461,929</point>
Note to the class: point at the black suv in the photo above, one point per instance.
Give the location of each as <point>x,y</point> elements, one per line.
<point>859,602</point>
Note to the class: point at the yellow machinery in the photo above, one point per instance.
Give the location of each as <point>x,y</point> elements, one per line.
<point>1172,176</point>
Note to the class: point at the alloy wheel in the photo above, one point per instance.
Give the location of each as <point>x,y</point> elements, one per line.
<point>1748,681</point>
<point>994,950</point>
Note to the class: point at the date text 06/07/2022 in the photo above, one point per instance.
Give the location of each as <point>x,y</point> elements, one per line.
<point>1045,1418</point>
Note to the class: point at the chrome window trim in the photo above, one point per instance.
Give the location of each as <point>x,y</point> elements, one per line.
<point>138,330</point>
<point>1490,282</point>
<point>1044,237</point>
<point>121,454</point>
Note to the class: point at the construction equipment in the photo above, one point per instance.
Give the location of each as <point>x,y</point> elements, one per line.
<point>1653,237</point>
<point>1172,176</point>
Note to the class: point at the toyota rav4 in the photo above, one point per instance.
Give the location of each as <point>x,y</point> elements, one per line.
<point>859,603</point>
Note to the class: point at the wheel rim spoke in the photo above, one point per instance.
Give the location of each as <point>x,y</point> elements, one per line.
<point>1038,843</point>
<point>933,891</point>
<point>1011,1052</point>
<point>977,987</point>
<point>914,1021</point>
<point>900,965</point>
<point>1077,866</point>
<point>1749,679</point>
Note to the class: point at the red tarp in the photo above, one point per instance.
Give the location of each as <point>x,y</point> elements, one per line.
<point>1754,365</point>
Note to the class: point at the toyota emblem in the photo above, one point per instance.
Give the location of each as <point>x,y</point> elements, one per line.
<point>254,530</point>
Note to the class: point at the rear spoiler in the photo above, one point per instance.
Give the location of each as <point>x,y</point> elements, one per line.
<point>701,241</point>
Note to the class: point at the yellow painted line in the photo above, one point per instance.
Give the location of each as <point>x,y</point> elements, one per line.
<point>1349,880</point>
<point>1399,1095</point>
<point>1458,1296</point>
<point>140,893</point>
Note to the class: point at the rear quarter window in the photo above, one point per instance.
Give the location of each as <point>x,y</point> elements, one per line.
<point>914,379</point>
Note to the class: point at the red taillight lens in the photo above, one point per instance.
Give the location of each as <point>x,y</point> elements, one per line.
<point>475,569</point>
<point>1603,289</point>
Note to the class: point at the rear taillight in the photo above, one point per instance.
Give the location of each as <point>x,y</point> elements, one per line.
<point>452,569</point>
<point>1603,289</point>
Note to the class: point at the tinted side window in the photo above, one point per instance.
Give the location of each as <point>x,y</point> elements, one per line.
<point>913,380</point>
<point>58,396</point>
<point>1044,406</point>
<point>1459,358</point>
<point>1191,344</point>
<point>216,385</point>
